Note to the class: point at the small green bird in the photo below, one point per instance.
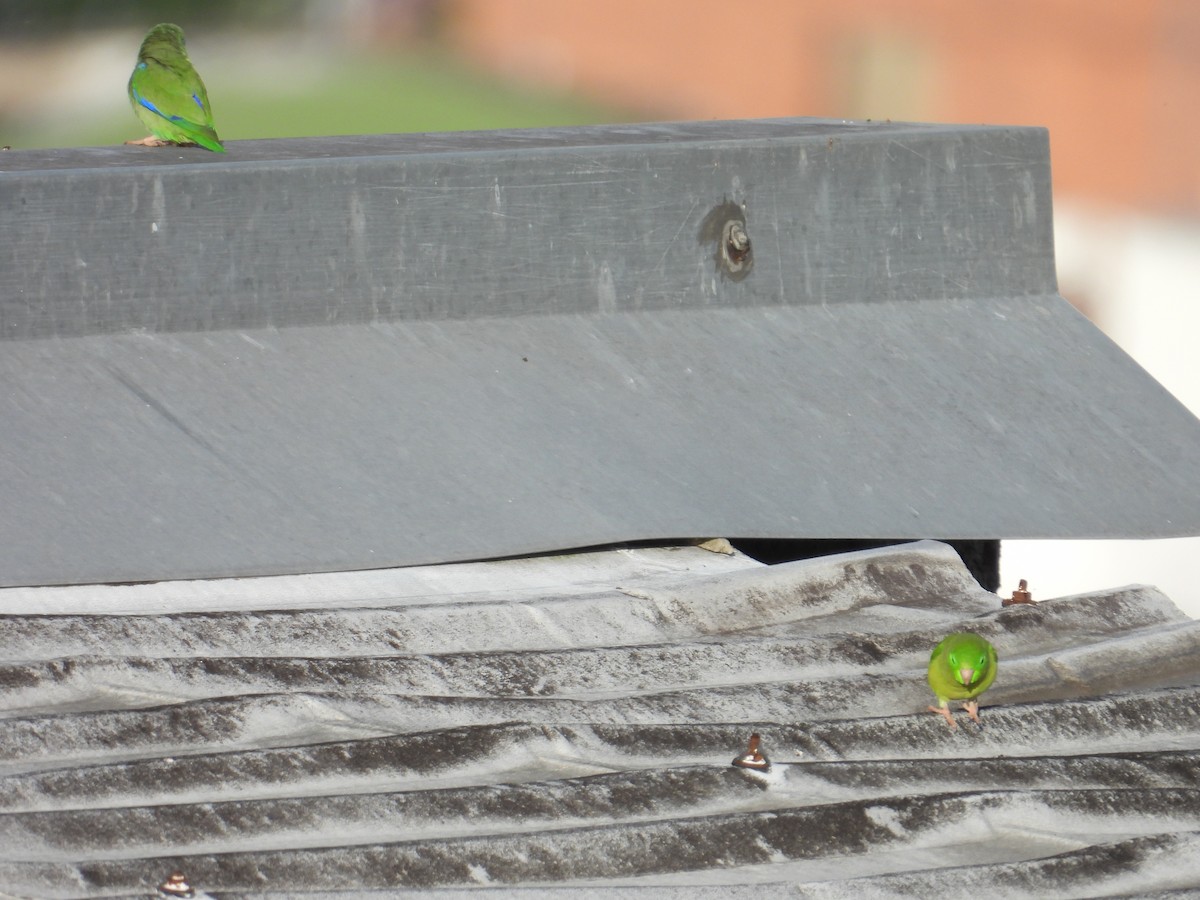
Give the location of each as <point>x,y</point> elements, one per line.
<point>961,667</point>
<point>168,95</point>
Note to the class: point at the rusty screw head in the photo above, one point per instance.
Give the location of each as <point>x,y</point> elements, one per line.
<point>753,758</point>
<point>176,886</point>
<point>1020,595</point>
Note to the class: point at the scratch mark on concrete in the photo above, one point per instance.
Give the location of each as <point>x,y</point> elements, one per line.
<point>678,231</point>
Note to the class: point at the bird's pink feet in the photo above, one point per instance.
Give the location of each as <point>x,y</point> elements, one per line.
<point>972,708</point>
<point>149,141</point>
<point>944,711</point>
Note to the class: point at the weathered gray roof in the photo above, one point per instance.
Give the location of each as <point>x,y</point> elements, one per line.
<point>347,353</point>
<point>570,723</point>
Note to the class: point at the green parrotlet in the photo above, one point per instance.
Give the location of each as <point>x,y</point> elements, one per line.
<point>961,667</point>
<point>168,95</point>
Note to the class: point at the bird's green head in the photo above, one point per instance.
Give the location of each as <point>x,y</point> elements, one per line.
<point>163,42</point>
<point>969,664</point>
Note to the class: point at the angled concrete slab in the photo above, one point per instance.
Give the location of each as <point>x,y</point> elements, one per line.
<point>353,353</point>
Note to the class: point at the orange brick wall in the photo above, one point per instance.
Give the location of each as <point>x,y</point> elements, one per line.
<point>1116,81</point>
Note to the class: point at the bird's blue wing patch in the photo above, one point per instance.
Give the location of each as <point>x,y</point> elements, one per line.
<point>137,95</point>
<point>158,112</point>
<point>198,102</point>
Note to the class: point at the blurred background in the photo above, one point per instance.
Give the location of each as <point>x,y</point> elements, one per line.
<point>1117,83</point>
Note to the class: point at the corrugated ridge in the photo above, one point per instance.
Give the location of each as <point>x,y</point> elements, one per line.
<point>640,849</point>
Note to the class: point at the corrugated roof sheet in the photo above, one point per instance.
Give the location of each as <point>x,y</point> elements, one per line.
<point>569,723</point>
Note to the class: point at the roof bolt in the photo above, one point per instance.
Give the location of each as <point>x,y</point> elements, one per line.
<point>176,886</point>
<point>736,245</point>
<point>1020,595</point>
<point>753,758</point>
<point>723,233</point>
<point>739,241</point>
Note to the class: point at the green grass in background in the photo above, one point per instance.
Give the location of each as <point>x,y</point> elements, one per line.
<point>361,94</point>
<point>376,96</point>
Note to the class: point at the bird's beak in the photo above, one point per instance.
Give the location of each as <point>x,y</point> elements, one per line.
<point>966,676</point>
